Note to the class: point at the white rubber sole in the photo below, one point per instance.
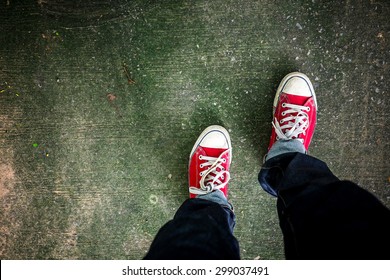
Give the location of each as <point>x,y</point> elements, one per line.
<point>288,77</point>
<point>207,131</point>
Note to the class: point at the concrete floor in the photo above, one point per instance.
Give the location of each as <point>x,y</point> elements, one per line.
<point>101,102</point>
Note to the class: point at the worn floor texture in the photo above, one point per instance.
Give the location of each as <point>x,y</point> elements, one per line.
<point>101,102</point>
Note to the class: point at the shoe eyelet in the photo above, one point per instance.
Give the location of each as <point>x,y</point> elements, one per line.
<point>308,109</point>
<point>201,165</point>
<point>277,138</point>
<point>224,160</point>
<point>281,121</point>
<point>222,177</point>
<point>200,157</point>
<point>201,174</point>
<point>283,105</point>
<point>283,113</point>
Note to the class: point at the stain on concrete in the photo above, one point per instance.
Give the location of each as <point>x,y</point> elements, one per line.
<point>7,172</point>
<point>137,243</point>
<point>7,177</point>
<point>10,201</point>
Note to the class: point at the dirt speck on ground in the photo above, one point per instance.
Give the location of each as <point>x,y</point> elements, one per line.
<point>111,97</point>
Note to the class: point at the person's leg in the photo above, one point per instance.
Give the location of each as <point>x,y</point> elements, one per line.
<point>203,226</point>
<point>201,229</point>
<point>320,216</point>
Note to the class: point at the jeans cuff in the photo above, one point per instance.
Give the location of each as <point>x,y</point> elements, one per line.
<point>217,196</point>
<point>285,146</point>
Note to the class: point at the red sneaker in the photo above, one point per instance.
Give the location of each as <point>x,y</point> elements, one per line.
<point>210,160</point>
<point>295,110</point>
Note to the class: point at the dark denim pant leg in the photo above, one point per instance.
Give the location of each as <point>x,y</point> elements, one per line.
<point>200,229</point>
<point>322,217</point>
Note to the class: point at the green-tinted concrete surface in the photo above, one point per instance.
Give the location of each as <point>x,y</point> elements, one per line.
<point>101,102</point>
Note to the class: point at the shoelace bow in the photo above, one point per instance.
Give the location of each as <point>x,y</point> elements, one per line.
<point>297,121</point>
<point>211,178</point>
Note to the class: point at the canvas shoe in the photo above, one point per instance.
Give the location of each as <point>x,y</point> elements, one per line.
<point>209,163</point>
<point>294,110</point>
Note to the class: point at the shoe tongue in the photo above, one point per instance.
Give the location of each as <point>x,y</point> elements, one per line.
<point>213,152</point>
<point>296,99</point>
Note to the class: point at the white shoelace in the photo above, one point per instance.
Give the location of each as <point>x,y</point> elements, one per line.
<point>296,122</point>
<point>213,177</point>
